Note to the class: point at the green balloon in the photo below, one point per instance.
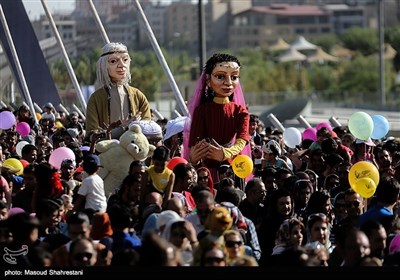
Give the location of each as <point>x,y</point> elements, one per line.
<point>361,125</point>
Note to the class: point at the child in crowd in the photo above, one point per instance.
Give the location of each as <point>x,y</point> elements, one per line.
<point>158,177</point>
<point>91,193</point>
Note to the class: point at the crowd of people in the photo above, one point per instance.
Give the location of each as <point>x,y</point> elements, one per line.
<point>296,209</point>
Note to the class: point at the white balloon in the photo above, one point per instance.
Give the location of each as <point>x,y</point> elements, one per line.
<point>292,137</point>
<point>19,147</point>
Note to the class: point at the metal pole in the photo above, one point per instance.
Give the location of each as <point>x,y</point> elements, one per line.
<point>202,36</point>
<point>177,113</point>
<point>25,89</point>
<point>62,108</point>
<point>162,60</point>
<point>157,114</point>
<point>98,22</point>
<point>275,122</point>
<point>79,112</point>
<point>3,105</point>
<point>335,122</point>
<point>37,108</point>
<point>65,56</point>
<point>303,122</point>
<point>381,51</point>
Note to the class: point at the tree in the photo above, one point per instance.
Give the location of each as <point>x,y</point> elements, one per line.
<point>360,76</point>
<point>146,73</point>
<point>392,37</point>
<point>326,42</point>
<point>322,77</point>
<point>364,40</point>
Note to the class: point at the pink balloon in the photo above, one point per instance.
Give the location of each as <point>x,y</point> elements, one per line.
<point>23,128</point>
<point>7,120</point>
<point>59,154</point>
<point>310,133</point>
<point>175,161</point>
<point>324,124</point>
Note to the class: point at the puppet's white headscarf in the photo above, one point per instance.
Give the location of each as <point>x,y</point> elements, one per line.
<point>103,78</point>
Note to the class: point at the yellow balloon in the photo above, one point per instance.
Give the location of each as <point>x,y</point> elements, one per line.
<point>13,165</point>
<point>38,116</point>
<point>242,166</point>
<point>365,187</point>
<point>363,169</point>
<point>59,124</point>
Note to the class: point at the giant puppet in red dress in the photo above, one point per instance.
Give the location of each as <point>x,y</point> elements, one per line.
<point>218,129</point>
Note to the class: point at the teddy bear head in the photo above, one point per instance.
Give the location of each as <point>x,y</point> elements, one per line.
<point>136,143</point>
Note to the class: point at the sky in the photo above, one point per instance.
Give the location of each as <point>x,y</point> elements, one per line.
<point>34,8</point>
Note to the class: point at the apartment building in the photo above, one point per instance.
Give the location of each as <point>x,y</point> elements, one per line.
<point>229,24</point>
<point>262,26</point>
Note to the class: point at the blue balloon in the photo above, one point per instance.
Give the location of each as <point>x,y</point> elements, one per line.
<point>381,127</point>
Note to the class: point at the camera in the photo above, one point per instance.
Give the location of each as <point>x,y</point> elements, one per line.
<point>102,134</point>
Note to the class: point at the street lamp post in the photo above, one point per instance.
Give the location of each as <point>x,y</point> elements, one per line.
<point>171,48</point>
<point>381,52</point>
<point>176,36</point>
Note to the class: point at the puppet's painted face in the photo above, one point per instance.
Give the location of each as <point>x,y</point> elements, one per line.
<point>118,66</point>
<point>224,78</point>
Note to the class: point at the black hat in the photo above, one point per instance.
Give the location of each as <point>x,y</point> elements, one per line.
<point>91,160</point>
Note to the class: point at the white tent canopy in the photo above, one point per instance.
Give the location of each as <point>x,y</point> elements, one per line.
<point>301,44</point>
<point>321,56</point>
<point>390,52</point>
<point>341,52</point>
<point>279,45</point>
<point>291,55</point>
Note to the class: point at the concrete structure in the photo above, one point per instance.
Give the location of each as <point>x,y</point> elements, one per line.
<point>345,17</point>
<point>263,26</point>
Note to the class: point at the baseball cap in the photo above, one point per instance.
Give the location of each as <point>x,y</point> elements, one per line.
<point>68,161</point>
<point>91,160</point>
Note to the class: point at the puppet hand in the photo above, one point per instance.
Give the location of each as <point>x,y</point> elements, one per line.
<point>198,152</point>
<point>215,151</point>
<point>114,125</point>
<point>125,122</point>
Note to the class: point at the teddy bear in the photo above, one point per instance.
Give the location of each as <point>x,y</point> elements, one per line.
<point>116,156</point>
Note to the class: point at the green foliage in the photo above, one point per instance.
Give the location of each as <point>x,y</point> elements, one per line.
<point>364,40</point>
<point>392,37</point>
<point>360,75</point>
<point>146,72</point>
<point>83,73</point>
<point>261,75</point>
<point>322,77</point>
<point>60,74</point>
<point>326,42</point>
